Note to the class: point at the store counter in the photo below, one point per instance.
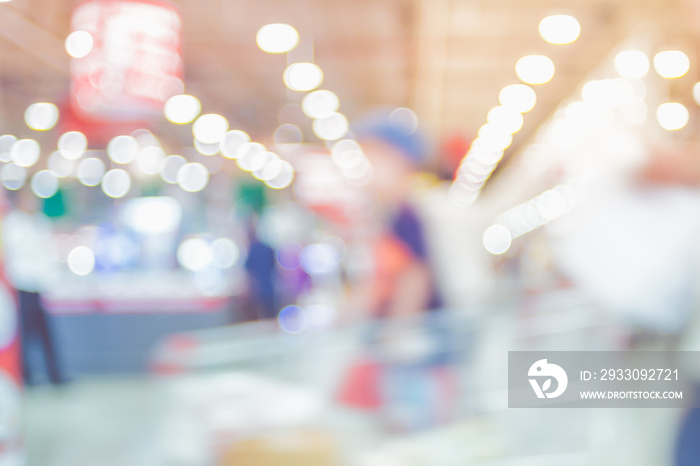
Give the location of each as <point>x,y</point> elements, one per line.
<point>107,324</point>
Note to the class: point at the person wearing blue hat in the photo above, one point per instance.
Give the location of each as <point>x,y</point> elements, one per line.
<point>403,281</point>
<point>407,372</point>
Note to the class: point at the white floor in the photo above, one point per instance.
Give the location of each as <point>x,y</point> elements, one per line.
<point>120,422</point>
<point>91,423</point>
<point>139,422</point>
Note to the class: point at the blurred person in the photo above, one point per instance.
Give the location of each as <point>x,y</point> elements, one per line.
<point>25,235</point>
<point>634,248</point>
<point>687,447</point>
<point>406,373</point>
<point>402,283</point>
<point>260,266</point>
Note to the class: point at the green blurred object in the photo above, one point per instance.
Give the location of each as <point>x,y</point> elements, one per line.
<point>252,194</point>
<point>150,189</point>
<point>55,206</point>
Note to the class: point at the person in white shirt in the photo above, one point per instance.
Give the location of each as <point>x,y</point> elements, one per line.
<point>25,236</point>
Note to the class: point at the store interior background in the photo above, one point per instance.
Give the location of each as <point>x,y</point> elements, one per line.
<point>574,227</point>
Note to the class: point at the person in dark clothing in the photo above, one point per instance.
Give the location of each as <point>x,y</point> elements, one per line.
<point>260,265</point>
<point>25,234</point>
<point>687,448</point>
<point>260,299</point>
<point>35,328</point>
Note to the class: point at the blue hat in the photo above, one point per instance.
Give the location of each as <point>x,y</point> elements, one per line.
<point>397,131</point>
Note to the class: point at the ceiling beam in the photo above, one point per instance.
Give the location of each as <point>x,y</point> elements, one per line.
<point>33,39</point>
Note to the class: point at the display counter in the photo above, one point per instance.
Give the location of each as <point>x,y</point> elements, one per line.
<point>108,323</point>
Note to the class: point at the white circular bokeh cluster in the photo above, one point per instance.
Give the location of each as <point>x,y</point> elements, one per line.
<point>197,254</point>
<point>354,165</point>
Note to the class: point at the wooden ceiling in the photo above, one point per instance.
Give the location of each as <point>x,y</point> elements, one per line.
<point>447,59</point>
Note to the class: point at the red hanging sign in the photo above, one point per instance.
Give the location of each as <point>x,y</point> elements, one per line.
<point>134,63</point>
